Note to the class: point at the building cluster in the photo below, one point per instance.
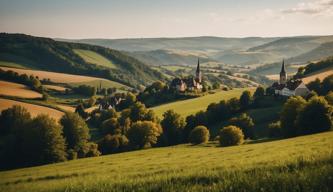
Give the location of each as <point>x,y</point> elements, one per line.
<point>291,87</point>
<point>189,83</point>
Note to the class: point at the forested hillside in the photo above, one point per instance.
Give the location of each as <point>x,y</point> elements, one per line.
<point>47,54</point>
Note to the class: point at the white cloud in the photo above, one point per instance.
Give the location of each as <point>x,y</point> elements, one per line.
<point>315,7</point>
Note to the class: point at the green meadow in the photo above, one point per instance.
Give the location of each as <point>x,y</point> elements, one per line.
<point>191,106</point>
<point>94,58</point>
<point>297,164</point>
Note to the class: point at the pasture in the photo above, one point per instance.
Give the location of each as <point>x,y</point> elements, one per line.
<point>297,164</point>
<point>33,109</point>
<point>94,58</point>
<point>17,90</point>
<point>191,106</point>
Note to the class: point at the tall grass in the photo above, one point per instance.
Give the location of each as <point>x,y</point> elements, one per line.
<point>297,164</point>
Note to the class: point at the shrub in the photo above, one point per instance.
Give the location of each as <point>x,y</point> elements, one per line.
<point>144,134</point>
<point>199,134</point>
<point>113,144</point>
<point>90,150</point>
<point>231,135</point>
<point>274,129</point>
<point>244,122</point>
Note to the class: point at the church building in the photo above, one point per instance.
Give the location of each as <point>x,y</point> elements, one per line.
<point>291,87</point>
<point>190,83</point>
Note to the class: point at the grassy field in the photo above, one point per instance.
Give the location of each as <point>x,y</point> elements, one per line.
<point>32,108</point>
<point>17,90</point>
<point>94,58</point>
<point>191,106</point>
<point>297,164</point>
<point>174,68</point>
<point>11,64</point>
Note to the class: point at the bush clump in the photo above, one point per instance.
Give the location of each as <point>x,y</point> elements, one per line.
<point>200,134</point>
<point>231,135</point>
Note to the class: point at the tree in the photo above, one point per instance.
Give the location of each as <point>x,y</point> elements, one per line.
<point>130,99</point>
<point>107,114</point>
<point>113,144</point>
<point>13,118</point>
<point>245,99</point>
<point>231,135</point>
<point>270,91</point>
<point>289,114</point>
<point>274,129</point>
<point>80,110</point>
<point>260,92</point>
<point>43,141</point>
<point>199,134</point>
<point>245,123</point>
<point>144,134</point>
<point>327,84</point>
<point>315,117</point>
<point>216,85</point>
<point>315,86</point>
<point>233,105</point>
<point>89,150</point>
<point>329,97</point>
<point>76,131</point>
<point>91,101</point>
<point>111,126</point>
<point>173,125</point>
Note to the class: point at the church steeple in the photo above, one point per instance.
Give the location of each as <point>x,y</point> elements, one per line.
<point>283,74</point>
<point>198,72</point>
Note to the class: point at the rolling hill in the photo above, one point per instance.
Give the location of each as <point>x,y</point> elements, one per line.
<point>235,51</point>
<point>318,53</point>
<point>292,46</point>
<point>301,163</point>
<point>203,43</point>
<point>50,55</point>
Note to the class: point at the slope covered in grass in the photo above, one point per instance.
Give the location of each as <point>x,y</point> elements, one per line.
<point>94,58</point>
<point>296,164</point>
<point>191,106</point>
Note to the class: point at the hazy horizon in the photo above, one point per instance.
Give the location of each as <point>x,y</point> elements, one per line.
<point>129,19</point>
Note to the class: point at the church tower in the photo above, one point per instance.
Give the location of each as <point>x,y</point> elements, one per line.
<point>283,74</point>
<point>198,73</point>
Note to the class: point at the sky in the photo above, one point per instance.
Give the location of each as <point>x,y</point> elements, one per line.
<point>77,19</point>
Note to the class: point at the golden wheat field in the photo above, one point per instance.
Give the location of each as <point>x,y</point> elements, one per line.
<point>320,75</point>
<point>55,77</point>
<point>17,90</point>
<point>55,87</point>
<point>33,109</point>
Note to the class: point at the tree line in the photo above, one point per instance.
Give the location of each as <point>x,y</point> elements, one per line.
<point>30,81</point>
